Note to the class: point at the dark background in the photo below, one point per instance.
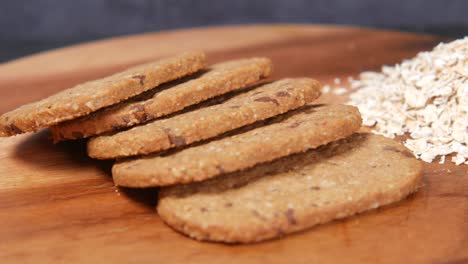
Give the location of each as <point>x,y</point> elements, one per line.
<point>29,26</point>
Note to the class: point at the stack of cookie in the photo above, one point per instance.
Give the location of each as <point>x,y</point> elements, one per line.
<point>237,160</point>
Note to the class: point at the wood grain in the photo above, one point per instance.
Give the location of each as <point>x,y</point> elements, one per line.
<point>57,205</point>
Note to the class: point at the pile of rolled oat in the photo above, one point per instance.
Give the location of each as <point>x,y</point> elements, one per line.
<point>426,96</point>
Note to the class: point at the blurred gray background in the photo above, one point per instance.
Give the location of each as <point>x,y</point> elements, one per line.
<point>29,26</point>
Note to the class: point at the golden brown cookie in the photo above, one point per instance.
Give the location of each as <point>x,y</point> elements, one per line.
<point>88,97</point>
<point>218,79</point>
<point>261,103</point>
<point>306,129</point>
<point>341,179</point>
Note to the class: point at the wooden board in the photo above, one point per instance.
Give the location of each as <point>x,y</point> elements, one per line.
<point>57,205</point>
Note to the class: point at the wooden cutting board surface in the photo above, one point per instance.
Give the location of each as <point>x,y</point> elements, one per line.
<point>57,205</point>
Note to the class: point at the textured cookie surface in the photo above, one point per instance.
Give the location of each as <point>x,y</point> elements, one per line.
<point>259,104</point>
<point>219,79</point>
<point>88,97</point>
<point>302,130</point>
<point>355,174</point>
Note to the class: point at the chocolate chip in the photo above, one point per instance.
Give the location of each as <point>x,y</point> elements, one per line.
<point>228,204</point>
<point>258,215</point>
<point>290,216</point>
<point>267,99</point>
<point>139,107</point>
<point>283,94</point>
<point>178,141</point>
<point>140,77</point>
<point>116,126</point>
<point>143,117</point>
<point>175,140</point>
<point>390,148</point>
<point>332,163</point>
<point>203,210</point>
<point>394,149</point>
<point>126,120</point>
<point>77,134</point>
<point>294,125</point>
<point>13,129</point>
<point>280,232</point>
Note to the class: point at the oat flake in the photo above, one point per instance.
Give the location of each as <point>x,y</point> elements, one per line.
<point>426,96</point>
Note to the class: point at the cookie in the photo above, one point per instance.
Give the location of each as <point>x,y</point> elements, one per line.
<point>88,97</point>
<point>261,103</point>
<point>219,79</point>
<point>303,130</point>
<point>294,193</point>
